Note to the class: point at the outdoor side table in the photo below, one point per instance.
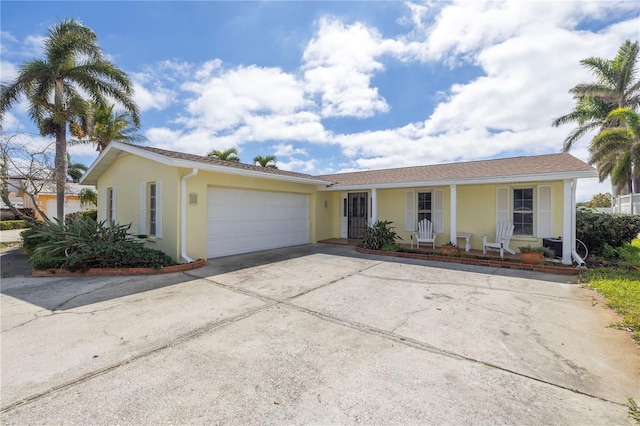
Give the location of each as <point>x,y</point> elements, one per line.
<point>467,237</point>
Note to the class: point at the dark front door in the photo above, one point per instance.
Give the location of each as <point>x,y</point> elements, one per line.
<point>357,214</point>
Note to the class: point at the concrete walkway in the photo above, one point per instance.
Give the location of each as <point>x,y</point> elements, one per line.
<point>10,235</point>
<point>313,334</point>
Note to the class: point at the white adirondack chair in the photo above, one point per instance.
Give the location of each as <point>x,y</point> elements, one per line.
<point>425,233</point>
<point>504,232</point>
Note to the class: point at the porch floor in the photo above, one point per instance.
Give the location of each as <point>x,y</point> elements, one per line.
<point>491,254</point>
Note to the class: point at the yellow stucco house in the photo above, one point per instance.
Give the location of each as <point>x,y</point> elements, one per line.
<point>194,207</point>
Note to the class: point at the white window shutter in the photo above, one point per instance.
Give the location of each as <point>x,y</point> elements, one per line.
<point>158,209</point>
<point>410,212</point>
<point>502,204</point>
<point>115,210</point>
<point>142,230</point>
<point>438,211</point>
<point>105,203</point>
<point>544,212</point>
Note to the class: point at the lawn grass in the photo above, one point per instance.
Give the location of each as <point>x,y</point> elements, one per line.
<point>621,288</point>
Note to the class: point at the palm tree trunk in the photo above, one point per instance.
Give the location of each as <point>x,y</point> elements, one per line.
<point>61,152</point>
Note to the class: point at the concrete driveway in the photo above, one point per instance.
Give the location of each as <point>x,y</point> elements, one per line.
<point>315,334</point>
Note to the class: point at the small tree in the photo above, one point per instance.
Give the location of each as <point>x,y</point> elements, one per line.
<point>25,169</point>
<point>599,200</point>
<point>88,197</point>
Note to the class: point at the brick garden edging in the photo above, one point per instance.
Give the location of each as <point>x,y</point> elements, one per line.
<point>52,272</point>
<point>560,270</point>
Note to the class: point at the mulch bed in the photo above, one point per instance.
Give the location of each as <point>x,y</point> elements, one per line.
<point>51,272</point>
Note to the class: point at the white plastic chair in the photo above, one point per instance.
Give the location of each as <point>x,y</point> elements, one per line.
<point>425,233</point>
<point>504,232</point>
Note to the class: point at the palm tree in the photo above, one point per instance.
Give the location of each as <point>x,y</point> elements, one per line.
<point>616,150</point>
<point>266,161</point>
<point>74,64</point>
<point>75,170</point>
<point>589,113</point>
<point>88,197</point>
<point>230,154</point>
<point>616,87</point>
<point>105,126</point>
<point>616,78</point>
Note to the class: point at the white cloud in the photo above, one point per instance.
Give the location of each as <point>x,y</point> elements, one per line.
<point>8,71</point>
<point>288,150</point>
<point>228,98</point>
<point>10,123</point>
<point>157,98</point>
<point>339,64</point>
<point>463,27</point>
<point>302,166</point>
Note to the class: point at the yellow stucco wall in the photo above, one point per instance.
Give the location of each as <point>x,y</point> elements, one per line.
<point>392,204</point>
<point>126,174</point>
<point>327,215</point>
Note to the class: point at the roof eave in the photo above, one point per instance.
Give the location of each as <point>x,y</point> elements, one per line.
<point>539,177</point>
<point>244,172</point>
<point>91,177</point>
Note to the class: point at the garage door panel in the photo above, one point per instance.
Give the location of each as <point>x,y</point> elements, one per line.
<point>242,221</point>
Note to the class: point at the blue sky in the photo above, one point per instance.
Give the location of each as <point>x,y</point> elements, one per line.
<point>340,86</point>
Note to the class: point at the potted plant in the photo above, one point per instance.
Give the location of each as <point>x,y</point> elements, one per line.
<point>449,248</point>
<point>532,255</point>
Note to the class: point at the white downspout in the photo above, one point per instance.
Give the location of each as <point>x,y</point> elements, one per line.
<point>183,216</point>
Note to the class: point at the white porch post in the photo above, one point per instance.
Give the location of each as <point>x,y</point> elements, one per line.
<point>374,206</point>
<point>568,219</point>
<point>454,214</point>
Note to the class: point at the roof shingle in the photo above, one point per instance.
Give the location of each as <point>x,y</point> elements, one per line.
<point>516,166</point>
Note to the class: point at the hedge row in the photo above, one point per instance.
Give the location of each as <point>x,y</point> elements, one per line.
<point>597,230</point>
<point>5,225</point>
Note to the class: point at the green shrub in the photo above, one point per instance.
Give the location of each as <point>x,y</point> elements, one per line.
<point>31,239</point>
<point>121,254</point>
<point>87,214</point>
<point>609,252</point>
<point>598,229</point>
<point>6,225</point>
<point>85,243</point>
<point>379,235</point>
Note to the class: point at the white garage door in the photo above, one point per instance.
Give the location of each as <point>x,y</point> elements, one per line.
<point>70,206</point>
<point>242,221</point>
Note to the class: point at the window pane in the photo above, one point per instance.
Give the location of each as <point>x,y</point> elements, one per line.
<point>523,223</point>
<point>424,201</point>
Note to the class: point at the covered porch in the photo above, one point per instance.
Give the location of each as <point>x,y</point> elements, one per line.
<point>464,211</point>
